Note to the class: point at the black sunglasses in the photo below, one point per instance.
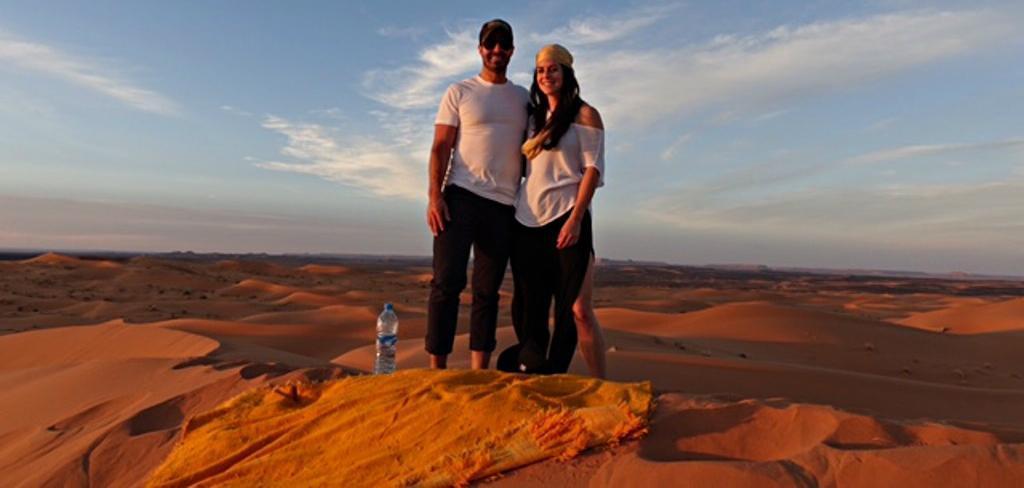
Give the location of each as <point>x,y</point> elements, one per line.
<point>497,40</point>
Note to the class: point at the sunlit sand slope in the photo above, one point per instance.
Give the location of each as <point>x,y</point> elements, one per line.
<point>99,405</point>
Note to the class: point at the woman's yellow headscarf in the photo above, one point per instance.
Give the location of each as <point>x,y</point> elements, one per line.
<point>555,52</point>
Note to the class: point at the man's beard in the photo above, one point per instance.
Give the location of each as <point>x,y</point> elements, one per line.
<point>497,63</point>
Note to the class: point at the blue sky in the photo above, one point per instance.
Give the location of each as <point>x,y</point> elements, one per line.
<point>883,134</point>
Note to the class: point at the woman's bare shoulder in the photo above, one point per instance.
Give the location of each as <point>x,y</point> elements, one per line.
<point>589,117</point>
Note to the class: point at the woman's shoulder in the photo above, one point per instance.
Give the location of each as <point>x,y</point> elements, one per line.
<point>588,116</point>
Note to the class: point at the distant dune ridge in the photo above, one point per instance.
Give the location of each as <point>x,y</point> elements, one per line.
<point>760,378</point>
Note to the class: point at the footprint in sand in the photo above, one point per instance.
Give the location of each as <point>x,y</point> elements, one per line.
<point>960,375</point>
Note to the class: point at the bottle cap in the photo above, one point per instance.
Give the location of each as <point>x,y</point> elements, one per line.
<point>388,306</point>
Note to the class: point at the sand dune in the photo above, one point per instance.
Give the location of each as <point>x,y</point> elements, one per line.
<point>54,259</point>
<point>98,403</point>
<point>824,340</point>
<point>752,321</point>
<point>330,315</point>
<point>78,344</point>
<point>307,299</point>
<point>972,318</point>
<point>754,443</point>
<point>324,269</point>
<point>870,393</point>
<point>307,342</point>
<point>773,381</point>
<point>259,287</point>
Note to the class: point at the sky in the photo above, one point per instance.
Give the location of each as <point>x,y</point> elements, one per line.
<point>881,134</point>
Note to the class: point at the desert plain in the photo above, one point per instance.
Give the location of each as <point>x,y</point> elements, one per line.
<point>761,377</point>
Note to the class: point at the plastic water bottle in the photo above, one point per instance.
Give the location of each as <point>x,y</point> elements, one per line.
<point>387,340</point>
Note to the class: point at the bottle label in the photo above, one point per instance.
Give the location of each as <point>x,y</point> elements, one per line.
<point>387,340</point>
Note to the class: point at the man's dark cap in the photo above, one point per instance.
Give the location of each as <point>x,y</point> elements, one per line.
<point>495,27</point>
<point>508,360</point>
<point>520,359</point>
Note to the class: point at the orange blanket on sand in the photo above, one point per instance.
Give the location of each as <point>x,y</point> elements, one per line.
<point>412,428</point>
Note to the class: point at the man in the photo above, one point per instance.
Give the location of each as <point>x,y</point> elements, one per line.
<point>474,175</point>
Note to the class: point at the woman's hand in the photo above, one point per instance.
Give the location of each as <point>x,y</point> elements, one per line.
<point>569,234</point>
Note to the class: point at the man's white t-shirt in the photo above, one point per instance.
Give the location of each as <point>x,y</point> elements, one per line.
<point>491,121</point>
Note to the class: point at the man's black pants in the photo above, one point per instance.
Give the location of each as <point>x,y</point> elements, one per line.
<point>541,273</point>
<point>485,226</point>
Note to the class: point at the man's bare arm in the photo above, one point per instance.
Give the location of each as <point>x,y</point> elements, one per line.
<point>440,156</point>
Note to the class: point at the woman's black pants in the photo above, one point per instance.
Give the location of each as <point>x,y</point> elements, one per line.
<point>542,273</point>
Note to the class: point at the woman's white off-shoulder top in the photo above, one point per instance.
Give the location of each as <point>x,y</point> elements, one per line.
<point>553,177</point>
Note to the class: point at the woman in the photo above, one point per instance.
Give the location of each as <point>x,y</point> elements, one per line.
<point>553,248</point>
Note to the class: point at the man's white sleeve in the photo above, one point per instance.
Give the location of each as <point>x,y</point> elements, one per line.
<point>448,112</point>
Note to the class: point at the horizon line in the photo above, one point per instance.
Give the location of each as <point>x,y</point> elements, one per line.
<point>736,266</point>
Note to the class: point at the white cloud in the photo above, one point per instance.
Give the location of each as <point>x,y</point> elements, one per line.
<point>597,30</point>
<point>923,150</point>
<point>770,115</point>
<point>764,176</point>
<point>779,200</point>
<point>670,152</point>
<point>393,161</point>
<point>235,110</point>
<point>881,124</point>
<point>395,168</point>
<point>769,69</point>
<point>755,177</point>
<point>744,75</point>
<point>419,86</point>
<point>401,32</point>
<point>40,58</point>
<point>734,73</point>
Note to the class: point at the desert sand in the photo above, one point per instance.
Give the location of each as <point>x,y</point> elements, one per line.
<point>760,378</point>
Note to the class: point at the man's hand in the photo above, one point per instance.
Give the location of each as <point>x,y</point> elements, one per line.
<point>440,157</point>
<point>437,214</point>
<point>569,234</point>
